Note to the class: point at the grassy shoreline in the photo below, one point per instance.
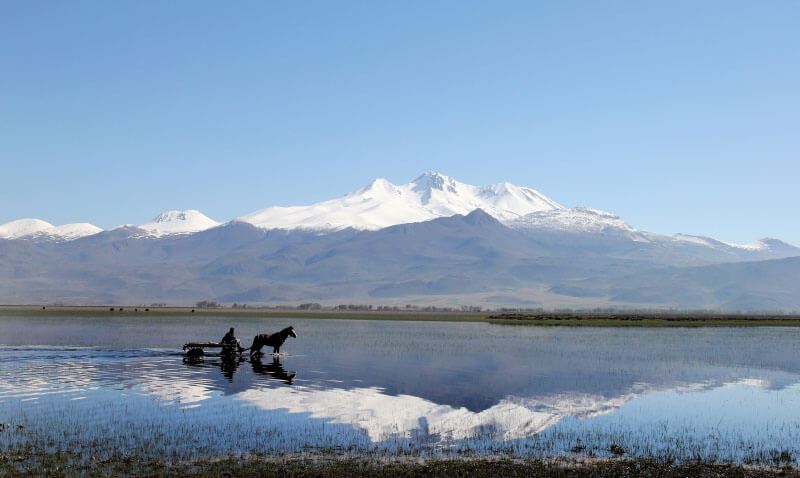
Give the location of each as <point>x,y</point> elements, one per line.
<point>65,466</point>
<point>568,319</point>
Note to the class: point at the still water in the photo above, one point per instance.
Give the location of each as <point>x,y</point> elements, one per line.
<point>110,386</point>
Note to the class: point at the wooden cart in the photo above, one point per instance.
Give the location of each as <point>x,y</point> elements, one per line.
<point>198,349</point>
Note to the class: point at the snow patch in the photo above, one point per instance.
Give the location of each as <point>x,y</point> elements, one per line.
<point>579,219</point>
<point>759,245</point>
<point>697,240</point>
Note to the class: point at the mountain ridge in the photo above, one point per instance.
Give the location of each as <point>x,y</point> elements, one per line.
<point>429,196</point>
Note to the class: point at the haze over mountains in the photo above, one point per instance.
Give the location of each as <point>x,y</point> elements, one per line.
<point>433,240</point>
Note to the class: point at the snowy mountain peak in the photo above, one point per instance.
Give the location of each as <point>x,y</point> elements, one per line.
<point>381,204</point>
<point>69,232</point>
<point>765,244</point>
<point>576,220</point>
<point>179,222</point>
<point>22,228</point>
<point>772,242</point>
<point>38,229</point>
<point>379,186</point>
<point>174,215</point>
<point>434,180</point>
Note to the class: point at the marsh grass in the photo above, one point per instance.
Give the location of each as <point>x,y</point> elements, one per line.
<point>114,434</point>
<point>60,465</point>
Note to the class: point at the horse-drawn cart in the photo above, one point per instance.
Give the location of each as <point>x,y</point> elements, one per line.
<point>198,349</point>
<point>230,347</point>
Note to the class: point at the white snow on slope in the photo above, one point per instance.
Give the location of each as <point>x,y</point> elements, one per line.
<point>697,240</point>
<point>579,219</point>
<point>22,228</point>
<point>759,245</point>
<point>179,222</point>
<point>38,229</point>
<point>69,232</point>
<point>382,204</point>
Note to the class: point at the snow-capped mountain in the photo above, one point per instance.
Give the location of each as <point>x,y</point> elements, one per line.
<point>589,228</point>
<point>382,204</point>
<point>429,196</point>
<point>766,244</point>
<point>763,246</point>
<point>178,222</point>
<point>575,220</point>
<point>38,229</point>
<point>759,245</point>
<point>68,232</point>
<point>23,227</point>
<point>420,241</point>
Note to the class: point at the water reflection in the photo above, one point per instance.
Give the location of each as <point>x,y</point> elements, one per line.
<point>533,391</point>
<point>272,369</point>
<point>267,366</point>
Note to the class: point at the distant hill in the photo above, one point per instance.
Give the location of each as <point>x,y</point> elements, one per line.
<point>761,285</point>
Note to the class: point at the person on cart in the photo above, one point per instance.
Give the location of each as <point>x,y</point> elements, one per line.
<point>230,339</point>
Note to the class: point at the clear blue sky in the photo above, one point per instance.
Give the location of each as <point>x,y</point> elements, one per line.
<point>681,116</point>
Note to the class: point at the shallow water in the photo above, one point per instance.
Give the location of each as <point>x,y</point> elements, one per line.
<point>104,386</point>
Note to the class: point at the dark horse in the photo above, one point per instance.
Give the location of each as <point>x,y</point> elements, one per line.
<point>271,340</point>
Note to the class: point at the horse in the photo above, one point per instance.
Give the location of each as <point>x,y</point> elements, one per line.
<point>271,340</point>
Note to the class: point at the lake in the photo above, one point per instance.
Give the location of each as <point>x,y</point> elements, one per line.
<point>118,385</point>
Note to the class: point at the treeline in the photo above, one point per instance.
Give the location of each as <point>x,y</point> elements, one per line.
<point>210,304</point>
<point>311,306</point>
<point>407,307</point>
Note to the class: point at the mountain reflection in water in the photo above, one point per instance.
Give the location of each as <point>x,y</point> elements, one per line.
<point>396,385</point>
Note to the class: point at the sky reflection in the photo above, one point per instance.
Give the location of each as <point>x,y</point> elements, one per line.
<point>413,386</point>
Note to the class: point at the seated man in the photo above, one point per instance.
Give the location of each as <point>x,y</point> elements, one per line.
<point>230,339</point>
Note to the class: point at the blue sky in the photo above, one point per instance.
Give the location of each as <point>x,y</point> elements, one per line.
<point>680,116</point>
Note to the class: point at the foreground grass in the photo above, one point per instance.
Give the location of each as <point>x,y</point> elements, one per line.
<point>64,466</point>
<point>576,319</point>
